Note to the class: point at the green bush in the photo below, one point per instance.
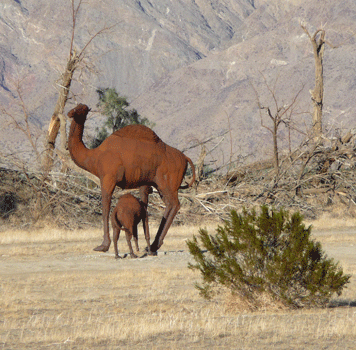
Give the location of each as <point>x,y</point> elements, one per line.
<point>269,254</point>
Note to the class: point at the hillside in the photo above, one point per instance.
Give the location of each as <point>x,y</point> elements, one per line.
<point>272,44</point>
<point>188,66</point>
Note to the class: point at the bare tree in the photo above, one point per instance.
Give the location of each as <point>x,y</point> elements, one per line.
<point>58,120</point>
<point>317,94</point>
<point>200,164</point>
<point>22,124</point>
<point>277,115</point>
<point>35,183</point>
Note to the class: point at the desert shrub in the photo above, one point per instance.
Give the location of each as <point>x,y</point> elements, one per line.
<point>271,254</point>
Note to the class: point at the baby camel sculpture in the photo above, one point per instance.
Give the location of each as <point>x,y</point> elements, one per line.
<point>129,211</point>
<point>131,157</point>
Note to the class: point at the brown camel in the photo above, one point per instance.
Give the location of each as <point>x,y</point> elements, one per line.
<point>131,157</point>
<point>129,211</point>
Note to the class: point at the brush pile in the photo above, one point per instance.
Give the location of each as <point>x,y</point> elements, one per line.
<point>311,180</point>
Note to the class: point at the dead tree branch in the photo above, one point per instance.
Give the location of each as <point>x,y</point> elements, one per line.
<point>317,94</point>
<point>65,81</point>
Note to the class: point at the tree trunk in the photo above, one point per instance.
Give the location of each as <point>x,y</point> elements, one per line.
<point>54,125</point>
<point>317,94</point>
<point>275,147</point>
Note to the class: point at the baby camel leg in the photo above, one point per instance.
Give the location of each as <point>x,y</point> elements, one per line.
<point>115,238</point>
<point>128,239</point>
<point>135,237</point>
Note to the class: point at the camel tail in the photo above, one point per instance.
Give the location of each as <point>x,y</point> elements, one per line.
<point>193,172</point>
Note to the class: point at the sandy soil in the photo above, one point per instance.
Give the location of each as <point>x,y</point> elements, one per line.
<point>61,295</point>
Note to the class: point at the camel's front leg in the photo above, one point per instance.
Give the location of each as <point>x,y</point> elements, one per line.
<point>107,188</point>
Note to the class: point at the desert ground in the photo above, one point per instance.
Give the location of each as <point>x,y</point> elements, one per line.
<point>57,293</point>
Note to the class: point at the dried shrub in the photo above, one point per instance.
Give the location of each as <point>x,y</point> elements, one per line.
<point>29,199</point>
<point>8,203</point>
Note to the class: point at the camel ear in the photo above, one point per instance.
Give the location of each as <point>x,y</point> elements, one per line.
<point>87,108</point>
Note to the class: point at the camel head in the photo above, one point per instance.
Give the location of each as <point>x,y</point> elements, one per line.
<point>79,113</point>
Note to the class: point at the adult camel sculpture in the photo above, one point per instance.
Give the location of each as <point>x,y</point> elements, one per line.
<point>131,157</point>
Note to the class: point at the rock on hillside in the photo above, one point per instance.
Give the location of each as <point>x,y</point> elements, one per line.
<point>186,65</point>
<point>217,93</point>
<point>148,40</point>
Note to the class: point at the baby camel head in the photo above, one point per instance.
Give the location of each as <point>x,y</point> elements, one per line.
<point>79,113</point>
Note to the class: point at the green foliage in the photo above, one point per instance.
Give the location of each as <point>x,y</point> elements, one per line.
<point>114,107</point>
<point>270,253</point>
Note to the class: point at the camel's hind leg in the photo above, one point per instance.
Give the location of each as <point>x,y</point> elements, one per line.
<point>144,193</point>
<point>128,239</point>
<point>172,207</point>
<point>147,232</point>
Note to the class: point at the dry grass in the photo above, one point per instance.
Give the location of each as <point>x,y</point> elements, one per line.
<point>58,294</point>
<point>54,240</point>
<point>326,222</point>
<point>46,235</point>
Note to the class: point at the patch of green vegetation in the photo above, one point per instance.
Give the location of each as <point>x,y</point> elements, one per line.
<point>114,107</point>
<point>267,253</point>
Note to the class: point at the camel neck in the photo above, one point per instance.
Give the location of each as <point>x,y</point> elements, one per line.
<point>78,151</point>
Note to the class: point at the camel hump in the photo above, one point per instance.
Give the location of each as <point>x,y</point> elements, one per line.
<point>139,132</point>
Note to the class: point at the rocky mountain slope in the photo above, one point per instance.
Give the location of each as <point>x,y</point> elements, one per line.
<point>192,67</point>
